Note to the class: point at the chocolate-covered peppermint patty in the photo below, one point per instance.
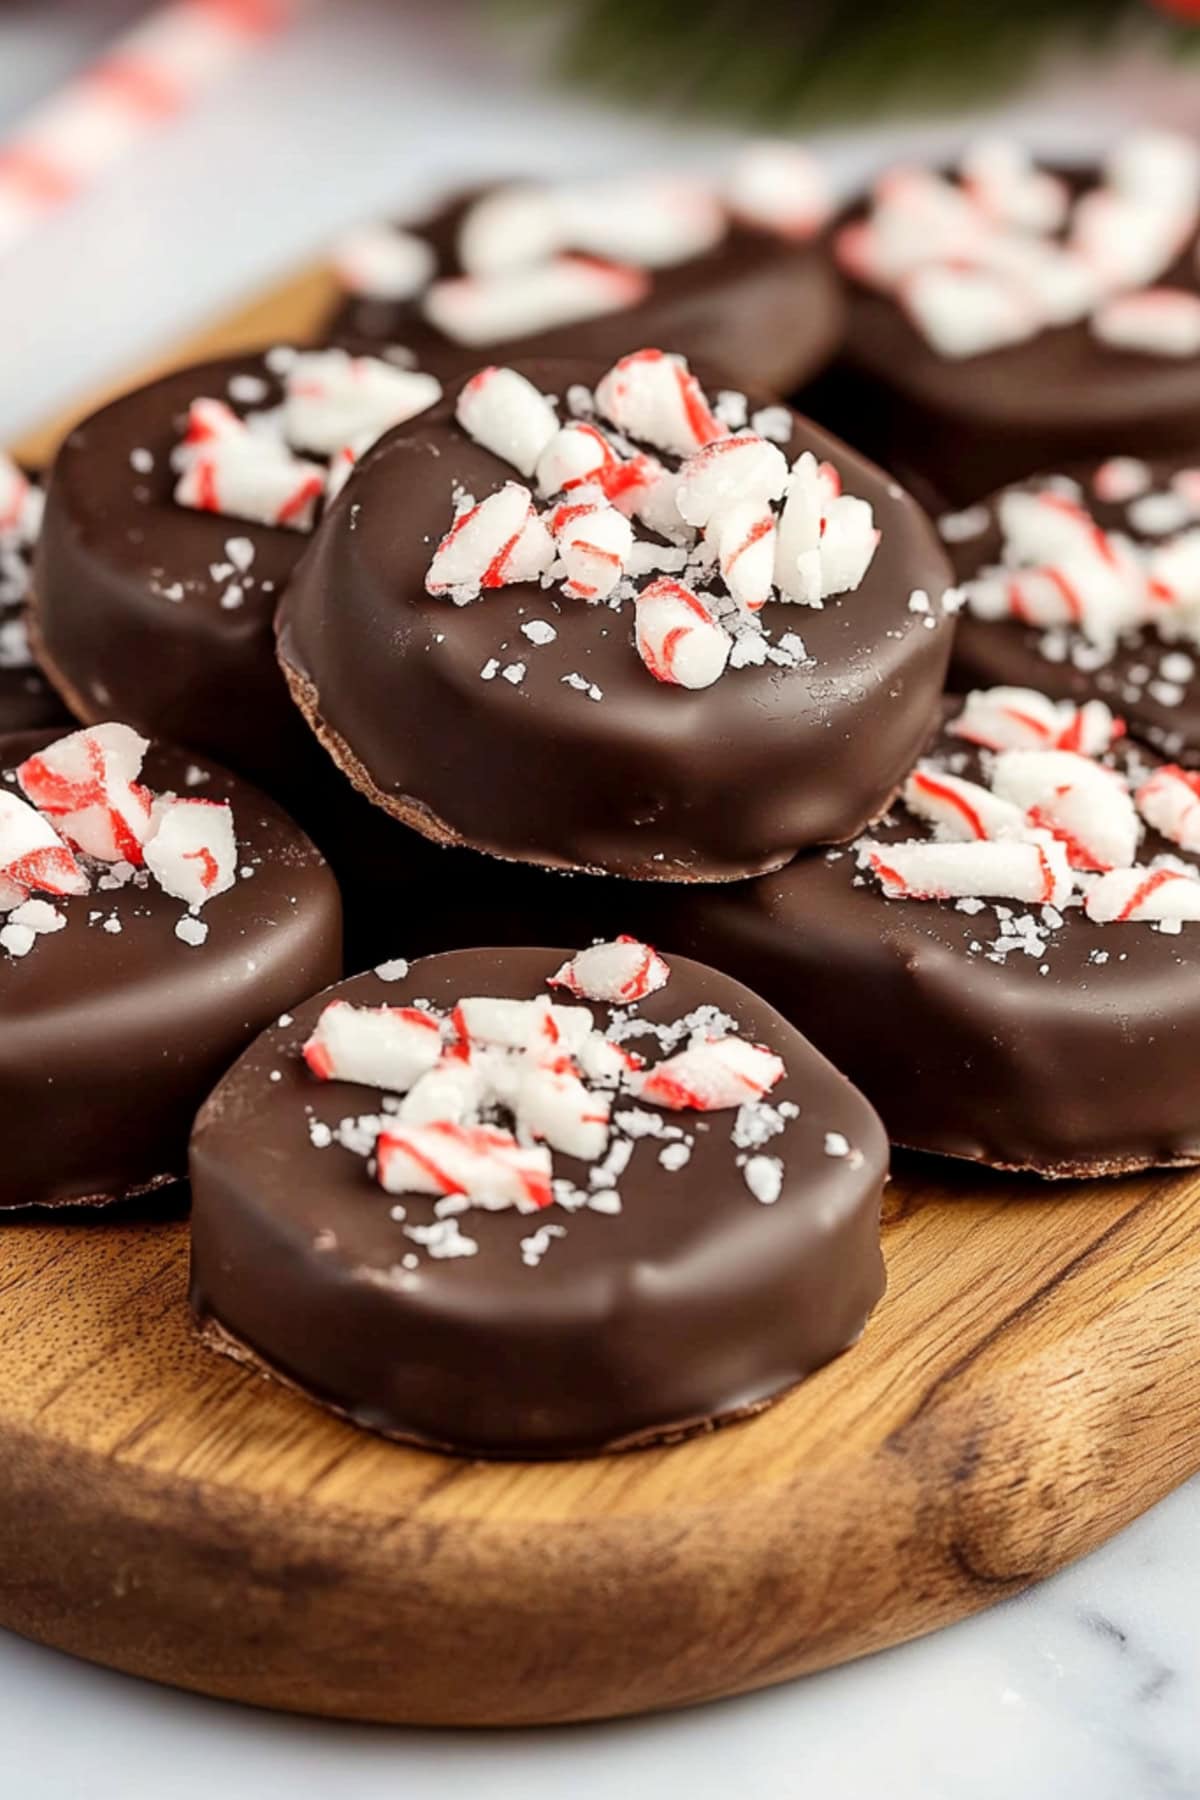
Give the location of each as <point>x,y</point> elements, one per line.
<point>509,634</point>
<point>587,1224</point>
<point>152,920</point>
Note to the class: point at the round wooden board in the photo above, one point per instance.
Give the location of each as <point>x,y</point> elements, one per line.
<point>1026,1388</point>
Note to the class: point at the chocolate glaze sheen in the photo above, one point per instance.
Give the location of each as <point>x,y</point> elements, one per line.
<point>653,781</point>
<point>694,1304</point>
<point>1156,704</point>
<point>1087,1069</point>
<point>111,1040</point>
<point>765,310</point>
<point>972,424</point>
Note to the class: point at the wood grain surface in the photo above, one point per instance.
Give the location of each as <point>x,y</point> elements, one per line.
<point>1027,1387</point>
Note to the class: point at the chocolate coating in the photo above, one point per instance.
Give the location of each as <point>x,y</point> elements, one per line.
<point>973,424</point>
<point>766,311</point>
<point>994,653</point>
<point>652,781</point>
<point>1086,1069</point>
<point>694,1304</point>
<point>111,1040</point>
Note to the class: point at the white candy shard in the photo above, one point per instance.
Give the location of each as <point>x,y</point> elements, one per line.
<point>965,312</point>
<point>554,1105</point>
<point>227,468</point>
<point>1128,241</point>
<point>579,455</point>
<point>960,810</point>
<point>617,973</point>
<point>494,544</point>
<point>1086,806</point>
<point>87,782</point>
<point>1010,718</point>
<point>728,472</point>
<point>1157,321</point>
<point>826,539</point>
<point>191,850</point>
<point>1121,478</point>
<point>507,228</point>
<point>20,504</point>
<point>1002,178</point>
<point>519,302</point>
<point>332,398</point>
<point>711,1076</point>
<point>781,188</point>
<point>1126,895</point>
<point>1161,169</point>
<point>387,1047</point>
<point>454,1090</point>
<point>653,221</point>
<point>744,537</point>
<point>382,262</point>
<point>594,541</point>
<point>1169,801</point>
<point>534,1026</point>
<point>487,1167</point>
<point>504,412</point>
<point>654,398</point>
<point>677,636</point>
<point>33,858</point>
<point>1035,870</point>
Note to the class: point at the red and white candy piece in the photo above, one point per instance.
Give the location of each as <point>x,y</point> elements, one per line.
<point>594,541</point>
<point>495,543</point>
<point>744,537</point>
<point>965,312</point>
<point>812,489</point>
<point>456,1089</point>
<point>727,472</point>
<point>1001,176</point>
<point>1157,321</point>
<point>243,474</point>
<point>617,973</point>
<point>677,637</point>
<point>1143,895</point>
<point>534,1026</point>
<point>487,1167</point>
<point>87,782</point>
<point>1034,870</point>
<point>333,398</point>
<point>654,398</point>
<point>1012,718</point>
<point>518,302</point>
<point>1169,801</point>
<point>960,810</point>
<point>652,221</point>
<point>505,413</point>
<point>711,1076</point>
<point>33,858</point>
<point>382,262</point>
<point>509,228</point>
<point>192,848</point>
<point>579,455</point>
<point>1173,581</point>
<point>781,188</point>
<point>387,1047</point>
<point>553,1105</point>
<point>20,503</point>
<point>1121,478</point>
<point>1161,169</point>
<point>1086,806</point>
<point>1128,240</point>
<point>919,217</point>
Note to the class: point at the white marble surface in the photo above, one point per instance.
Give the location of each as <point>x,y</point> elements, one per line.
<point>1088,1687</point>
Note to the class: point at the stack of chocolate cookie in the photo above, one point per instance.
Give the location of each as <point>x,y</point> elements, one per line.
<point>552,624</point>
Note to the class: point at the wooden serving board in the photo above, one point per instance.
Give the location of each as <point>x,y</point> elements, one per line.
<point>1027,1387</point>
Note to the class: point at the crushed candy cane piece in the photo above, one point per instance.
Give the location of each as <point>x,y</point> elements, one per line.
<point>594,541</point>
<point>618,973</point>
<point>332,398</point>
<point>33,857</point>
<point>87,782</point>
<point>1169,801</point>
<point>1143,894</point>
<point>711,1076</point>
<point>964,312</point>
<point>227,468</point>
<point>1157,321</point>
<point>488,1167</point>
<point>20,503</point>
<point>504,412</point>
<point>1035,870</point>
<point>554,1106</point>
<point>508,227</point>
<point>579,455</point>
<point>1121,478</point>
<point>654,398</point>
<point>677,636</point>
<point>744,537</point>
<point>518,302</point>
<point>1086,806</point>
<point>1001,177</point>
<point>1010,718</point>
<point>493,544</point>
<point>653,221</point>
<point>382,262</point>
<point>726,472</point>
<point>960,810</point>
<point>191,849</point>
<point>529,1025</point>
<point>781,188</point>
<point>387,1047</point>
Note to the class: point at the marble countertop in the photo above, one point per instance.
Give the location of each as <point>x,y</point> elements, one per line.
<point>1088,1686</point>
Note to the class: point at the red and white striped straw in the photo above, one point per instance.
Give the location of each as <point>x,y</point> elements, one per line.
<point>150,75</point>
